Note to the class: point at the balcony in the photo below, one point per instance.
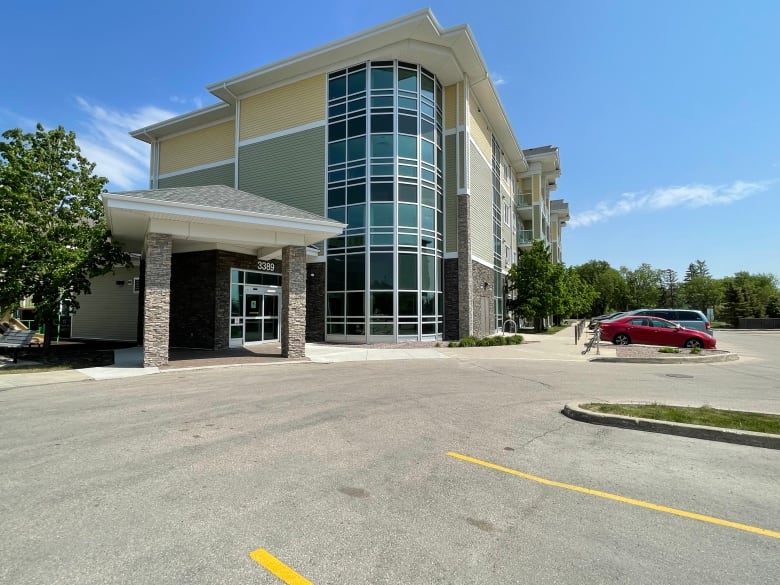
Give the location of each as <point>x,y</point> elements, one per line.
<point>524,207</point>
<point>525,237</point>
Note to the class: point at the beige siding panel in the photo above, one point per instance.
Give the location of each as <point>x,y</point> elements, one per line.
<point>451,106</point>
<point>289,106</point>
<point>199,147</point>
<point>450,194</point>
<point>221,175</point>
<point>481,189</point>
<point>111,311</point>
<point>480,132</point>
<point>289,169</point>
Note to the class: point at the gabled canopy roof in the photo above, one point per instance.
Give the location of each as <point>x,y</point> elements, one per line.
<point>213,216</point>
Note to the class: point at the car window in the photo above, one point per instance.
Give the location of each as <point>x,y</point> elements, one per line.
<point>689,316</point>
<point>663,324</point>
<point>665,314</point>
<point>639,321</point>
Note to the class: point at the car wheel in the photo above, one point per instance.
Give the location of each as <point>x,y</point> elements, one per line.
<point>621,339</point>
<point>693,342</point>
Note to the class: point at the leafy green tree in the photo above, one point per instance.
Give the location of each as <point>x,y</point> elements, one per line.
<point>537,283</point>
<point>670,288</point>
<point>748,295</point>
<point>577,295</point>
<point>608,283</point>
<point>55,237</point>
<point>641,286</point>
<point>698,268</point>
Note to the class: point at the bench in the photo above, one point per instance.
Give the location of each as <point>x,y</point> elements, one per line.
<point>16,339</point>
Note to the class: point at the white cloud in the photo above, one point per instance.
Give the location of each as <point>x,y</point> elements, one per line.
<point>666,197</point>
<point>104,140</point>
<point>498,79</point>
<point>196,101</point>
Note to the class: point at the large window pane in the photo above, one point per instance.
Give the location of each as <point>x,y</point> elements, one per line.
<point>428,304</point>
<point>407,271</point>
<point>426,151</point>
<point>426,87</point>
<point>407,303</point>
<point>356,148</point>
<point>381,304</point>
<point>428,218</point>
<point>381,77</point>
<point>356,304</point>
<point>337,214</point>
<point>407,79</point>
<point>357,126</point>
<point>407,124</point>
<point>407,146</point>
<point>407,215</point>
<point>381,191</point>
<point>382,145</point>
<point>428,272</point>
<point>356,271</point>
<point>381,270</point>
<point>337,152</point>
<point>357,81</point>
<point>381,214</point>
<point>356,194</point>
<point>337,87</point>
<point>381,123</point>
<point>407,193</point>
<point>336,273</point>
<point>337,131</point>
<point>356,216</point>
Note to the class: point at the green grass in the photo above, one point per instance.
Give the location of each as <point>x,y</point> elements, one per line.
<point>704,415</point>
<point>668,350</point>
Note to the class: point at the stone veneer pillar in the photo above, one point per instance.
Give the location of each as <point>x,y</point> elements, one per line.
<point>293,301</point>
<point>157,298</point>
<point>465,270</point>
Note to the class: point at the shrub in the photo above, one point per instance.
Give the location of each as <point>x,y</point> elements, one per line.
<point>469,341</point>
<point>695,350</point>
<point>514,340</point>
<point>668,350</point>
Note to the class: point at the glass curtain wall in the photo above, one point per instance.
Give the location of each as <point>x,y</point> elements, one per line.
<point>384,275</point>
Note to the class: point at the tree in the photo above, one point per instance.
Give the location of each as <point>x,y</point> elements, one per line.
<point>641,286</point>
<point>669,288</point>
<point>55,237</point>
<point>698,268</point>
<point>748,295</point>
<point>578,296</point>
<point>609,285</point>
<point>537,283</point>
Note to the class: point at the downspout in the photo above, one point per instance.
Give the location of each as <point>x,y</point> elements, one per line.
<point>154,161</point>
<point>236,132</point>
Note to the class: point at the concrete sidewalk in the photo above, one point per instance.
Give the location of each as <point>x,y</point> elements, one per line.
<point>129,362</point>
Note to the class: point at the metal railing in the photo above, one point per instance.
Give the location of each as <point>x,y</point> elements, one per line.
<point>595,340</point>
<point>525,237</point>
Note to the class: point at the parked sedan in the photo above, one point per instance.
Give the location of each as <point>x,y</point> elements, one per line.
<point>653,331</point>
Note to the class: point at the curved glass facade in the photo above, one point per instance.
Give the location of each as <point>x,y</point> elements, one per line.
<point>384,275</point>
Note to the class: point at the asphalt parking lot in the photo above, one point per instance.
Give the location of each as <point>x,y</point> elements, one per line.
<point>456,470</point>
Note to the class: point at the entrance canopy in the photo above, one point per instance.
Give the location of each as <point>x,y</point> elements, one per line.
<point>213,217</point>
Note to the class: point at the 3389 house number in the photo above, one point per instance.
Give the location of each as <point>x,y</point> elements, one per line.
<point>266,266</point>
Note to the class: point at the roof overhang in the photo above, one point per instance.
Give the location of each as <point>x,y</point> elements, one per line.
<point>201,227</point>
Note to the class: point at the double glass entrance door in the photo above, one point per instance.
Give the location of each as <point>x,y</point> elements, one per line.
<point>254,314</point>
<point>261,314</point>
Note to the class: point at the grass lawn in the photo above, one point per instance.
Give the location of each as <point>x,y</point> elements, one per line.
<point>705,416</point>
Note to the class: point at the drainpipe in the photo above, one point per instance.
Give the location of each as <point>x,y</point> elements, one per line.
<point>237,134</point>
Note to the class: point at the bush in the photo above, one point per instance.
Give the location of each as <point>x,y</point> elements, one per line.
<point>695,350</point>
<point>472,341</point>
<point>668,350</point>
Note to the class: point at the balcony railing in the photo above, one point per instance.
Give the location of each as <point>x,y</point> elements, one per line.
<point>524,200</point>
<point>525,237</point>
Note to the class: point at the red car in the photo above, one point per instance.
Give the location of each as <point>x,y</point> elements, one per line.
<point>653,331</point>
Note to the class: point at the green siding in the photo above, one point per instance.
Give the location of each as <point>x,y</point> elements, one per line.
<point>289,169</point>
<point>481,189</point>
<point>221,175</point>
<point>450,194</point>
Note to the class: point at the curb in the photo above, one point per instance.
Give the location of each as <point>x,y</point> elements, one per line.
<point>704,359</point>
<point>735,436</point>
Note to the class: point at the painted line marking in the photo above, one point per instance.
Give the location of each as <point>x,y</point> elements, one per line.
<point>277,568</point>
<point>617,498</point>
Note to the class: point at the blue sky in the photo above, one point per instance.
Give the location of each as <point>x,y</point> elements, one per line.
<point>667,114</point>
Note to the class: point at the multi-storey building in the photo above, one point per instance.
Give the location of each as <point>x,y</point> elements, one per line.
<point>395,134</point>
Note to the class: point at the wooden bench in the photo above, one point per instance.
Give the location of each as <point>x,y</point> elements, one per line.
<point>16,339</point>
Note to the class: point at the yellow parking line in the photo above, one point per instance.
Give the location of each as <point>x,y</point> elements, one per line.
<point>273,565</point>
<point>632,501</point>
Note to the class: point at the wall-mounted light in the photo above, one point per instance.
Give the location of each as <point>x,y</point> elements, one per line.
<point>120,283</point>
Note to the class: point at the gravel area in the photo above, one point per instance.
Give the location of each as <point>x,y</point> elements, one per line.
<point>647,351</point>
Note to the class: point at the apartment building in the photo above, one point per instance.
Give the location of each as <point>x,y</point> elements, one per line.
<point>378,176</point>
